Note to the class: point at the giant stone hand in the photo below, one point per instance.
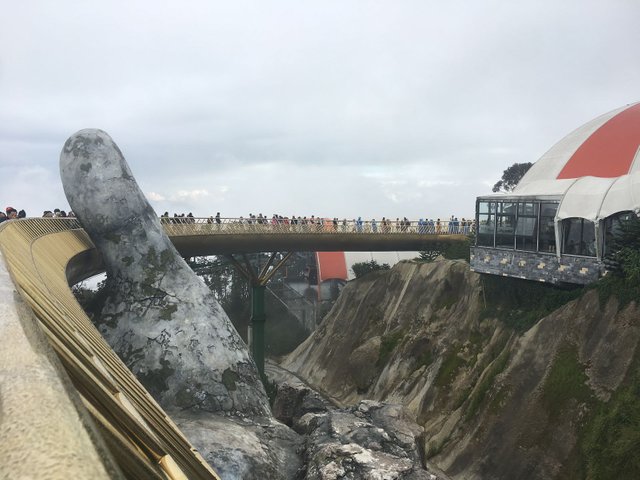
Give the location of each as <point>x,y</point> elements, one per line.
<point>159,317</point>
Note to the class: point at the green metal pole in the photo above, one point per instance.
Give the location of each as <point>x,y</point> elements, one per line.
<point>258,318</point>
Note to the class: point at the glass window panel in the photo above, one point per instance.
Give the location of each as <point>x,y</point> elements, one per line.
<point>579,237</point>
<point>588,240</point>
<point>486,207</point>
<point>526,233</point>
<point>528,208</point>
<point>505,230</point>
<point>548,209</point>
<point>486,226</point>
<point>571,235</point>
<point>547,235</point>
<point>507,208</point>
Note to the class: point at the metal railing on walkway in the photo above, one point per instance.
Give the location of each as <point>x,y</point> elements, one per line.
<point>188,226</point>
<point>181,226</point>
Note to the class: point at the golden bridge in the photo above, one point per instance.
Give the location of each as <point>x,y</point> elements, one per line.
<point>80,413</point>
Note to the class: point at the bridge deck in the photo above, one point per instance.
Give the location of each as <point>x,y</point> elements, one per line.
<point>234,236</point>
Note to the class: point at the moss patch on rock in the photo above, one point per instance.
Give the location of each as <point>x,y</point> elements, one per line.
<point>388,344</point>
<point>486,383</point>
<point>449,369</point>
<point>611,440</point>
<point>229,379</point>
<point>566,383</point>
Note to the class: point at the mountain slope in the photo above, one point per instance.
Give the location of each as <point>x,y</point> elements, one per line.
<point>495,403</point>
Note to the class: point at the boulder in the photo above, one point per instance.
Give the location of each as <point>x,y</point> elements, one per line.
<point>243,448</point>
<point>372,440</point>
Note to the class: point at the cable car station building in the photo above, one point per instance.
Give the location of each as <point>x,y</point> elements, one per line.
<point>558,223</point>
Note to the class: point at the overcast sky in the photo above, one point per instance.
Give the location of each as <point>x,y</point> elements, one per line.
<point>330,108</point>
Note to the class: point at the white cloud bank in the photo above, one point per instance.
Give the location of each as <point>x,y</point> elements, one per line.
<point>333,108</point>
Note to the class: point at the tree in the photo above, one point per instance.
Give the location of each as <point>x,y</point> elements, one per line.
<point>428,256</point>
<point>451,251</point>
<point>92,300</point>
<point>511,176</point>
<point>625,257</point>
<point>362,268</point>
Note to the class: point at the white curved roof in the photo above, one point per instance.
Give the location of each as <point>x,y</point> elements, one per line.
<point>595,170</point>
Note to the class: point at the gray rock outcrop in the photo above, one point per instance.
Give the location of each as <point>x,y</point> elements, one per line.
<point>161,319</point>
<point>243,448</point>
<point>372,440</point>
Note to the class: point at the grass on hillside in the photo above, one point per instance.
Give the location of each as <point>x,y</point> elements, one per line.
<point>566,383</point>
<point>625,290</point>
<point>611,440</point>
<point>519,304</point>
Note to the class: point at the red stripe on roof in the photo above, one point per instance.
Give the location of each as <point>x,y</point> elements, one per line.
<point>331,265</point>
<point>609,151</point>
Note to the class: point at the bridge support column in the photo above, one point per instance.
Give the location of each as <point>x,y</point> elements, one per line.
<point>258,280</point>
<point>256,327</point>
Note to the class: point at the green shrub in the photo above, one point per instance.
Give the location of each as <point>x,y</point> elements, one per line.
<point>449,250</point>
<point>618,286</point>
<point>458,250</point>
<point>623,264</point>
<point>428,256</point>
<point>362,268</point>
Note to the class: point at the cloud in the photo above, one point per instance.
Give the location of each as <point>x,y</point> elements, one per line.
<point>155,197</point>
<point>321,108</point>
<point>189,196</point>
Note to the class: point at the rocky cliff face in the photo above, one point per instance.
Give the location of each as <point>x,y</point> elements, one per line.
<point>494,403</point>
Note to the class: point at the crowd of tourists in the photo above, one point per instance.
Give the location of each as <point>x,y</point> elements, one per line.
<point>425,226</point>
<point>57,213</point>
<point>11,213</point>
<point>386,225</point>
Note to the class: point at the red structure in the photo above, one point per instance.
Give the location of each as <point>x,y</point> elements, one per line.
<point>331,266</point>
<point>610,150</point>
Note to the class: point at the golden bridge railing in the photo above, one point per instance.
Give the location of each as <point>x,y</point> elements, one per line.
<point>187,226</point>
<point>141,437</point>
<point>182,226</point>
